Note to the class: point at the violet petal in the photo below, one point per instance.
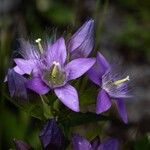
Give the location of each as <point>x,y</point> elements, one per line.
<point>80,143</point>
<point>57,52</point>
<point>18,70</point>
<point>16,84</point>
<point>109,144</point>
<point>82,42</point>
<point>78,67</point>
<point>122,110</point>
<point>98,69</point>
<point>27,66</point>
<point>68,96</point>
<point>21,145</point>
<point>103,102</point>
<point>51,136</point>
<point>37,85</point>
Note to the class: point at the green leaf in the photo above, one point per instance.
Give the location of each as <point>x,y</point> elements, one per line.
<point>46,109</point>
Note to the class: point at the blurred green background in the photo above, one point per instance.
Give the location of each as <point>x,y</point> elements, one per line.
<point>122,33</point>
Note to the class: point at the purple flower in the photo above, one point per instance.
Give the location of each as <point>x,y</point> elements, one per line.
<point>51,136</point>
<point>16,84</point>
<point>112,86</point>
<point>82,42</point>
<point>21,145</point>
<point>50,71</point>
<point>80,143</point>
<point>78,46</point>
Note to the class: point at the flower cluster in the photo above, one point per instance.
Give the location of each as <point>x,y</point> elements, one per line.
<point>44,68</point>
<point>53,67</point>
<point>52,138</point>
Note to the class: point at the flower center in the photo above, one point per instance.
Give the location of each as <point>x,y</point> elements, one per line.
<point>118,82</point>
<point>110,85</point>
<point>55,77</point>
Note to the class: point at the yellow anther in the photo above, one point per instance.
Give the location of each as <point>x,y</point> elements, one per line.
<point>121,81</point>
<point>38,41</point>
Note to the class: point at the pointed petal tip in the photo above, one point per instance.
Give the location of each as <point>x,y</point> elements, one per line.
<point>68,96</point>
<point>122,110</point>
<point>61,39</point>
<point>76,109</point>
<point>91,21</point>
<point>25,66</point>
<point>99,111</point>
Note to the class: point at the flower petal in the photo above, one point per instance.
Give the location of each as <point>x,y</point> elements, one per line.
<point>98,69</point>
<point>82,42</point>
<point>18,70</point>
<point>103,102</point>
<point>78,67</point>
<point>51,136</point>
<point>68,96</point>
<point>16,84</point>
<point>80,143</point>
<point>37,85</point>
<point>109,144</point>
<point>57,52</point>
<point>27,66</point>
<point>21,145</point>
<point>122,109</point>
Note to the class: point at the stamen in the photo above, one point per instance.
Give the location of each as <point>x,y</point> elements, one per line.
<point>55,69</point>
<point>118,82</point>
<point>38,41</point>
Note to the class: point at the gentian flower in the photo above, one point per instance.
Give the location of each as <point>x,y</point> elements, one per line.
<point>21,145</point>
<point>80,143</point>
<point>82,42</point>
<point>49,68</point>
<point>50,71</point>
<point>112,86</point>
<point>78,46</point>
<point>51,136</point>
